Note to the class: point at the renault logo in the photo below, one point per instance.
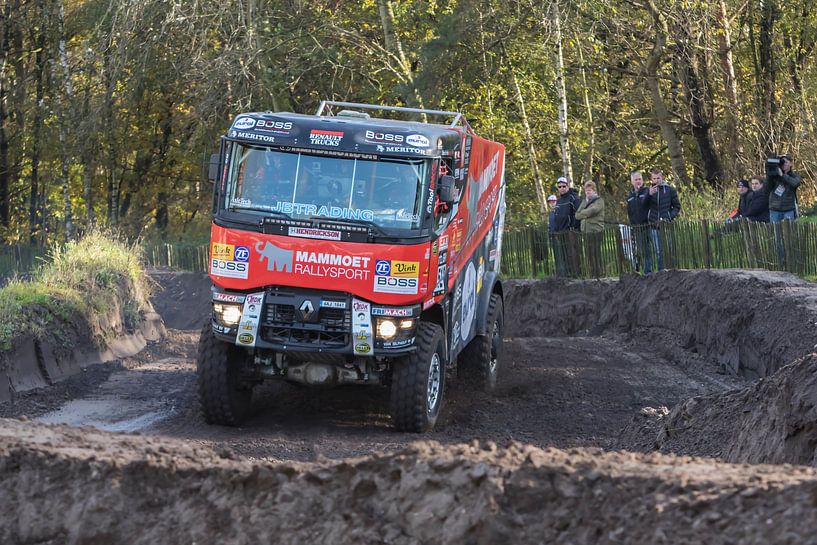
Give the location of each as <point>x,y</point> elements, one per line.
<point>307,310</point>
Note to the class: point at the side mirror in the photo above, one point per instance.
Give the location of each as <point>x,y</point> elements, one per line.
<point>447,189</point>
<point>212,173</point>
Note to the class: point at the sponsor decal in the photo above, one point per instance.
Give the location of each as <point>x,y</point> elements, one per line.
<point>382,267</point>
<point>444,242</point>
<point>399,149</point>
<point>442,274</point>
<point>222,251</point>
<point>318,264</point>
<point>392,284</point>
<point>228,297</point>
<point>242,253</point>
<point>250,316</point>
<point>455,336</point>
<point>399,344</point>
<point>277,258</point>
<point>375,137</point>
<point>417,140</point>
<point>480,274</point>
<point>362,326</point>
<point>329,212</point>
<point>254,136</point>
<point>325,138</point>
<point>244,123</point>
<point>392,311</point>
<point>229,269</point>
<point>330,303</point>
<point>322,234</point>
<point>280,127</point>
<point>469,300</point>
<point>405,269</point>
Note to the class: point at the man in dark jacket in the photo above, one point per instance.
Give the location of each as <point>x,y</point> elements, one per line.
<point>663,208</point>
<point>564,222</point>
<point>637,212</point>
<point>782,190</point>
<point>757,208</point>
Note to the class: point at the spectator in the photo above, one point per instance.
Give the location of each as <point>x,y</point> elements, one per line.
<point>663,208</point>
<point>758,207</point>
<point>591,214</point>
<point>564,222</point>
<point>743,201</point>
<point>637,207</point>
<point>782,191</point>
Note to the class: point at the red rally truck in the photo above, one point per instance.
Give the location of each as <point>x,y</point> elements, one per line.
<point>347,249</point>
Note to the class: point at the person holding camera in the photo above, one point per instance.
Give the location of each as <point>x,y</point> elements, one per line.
<point>781,186</point>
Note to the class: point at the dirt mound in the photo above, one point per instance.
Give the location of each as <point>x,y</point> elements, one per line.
<point>64,485</point>
<point>750,322</point>
<point>772,421</point>
<point>182,299</point>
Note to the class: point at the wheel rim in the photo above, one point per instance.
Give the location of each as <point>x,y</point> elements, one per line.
<point>495,339</point>
<point>434,383</point>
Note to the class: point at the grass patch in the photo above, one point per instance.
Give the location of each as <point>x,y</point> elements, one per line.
<point>79,281</point>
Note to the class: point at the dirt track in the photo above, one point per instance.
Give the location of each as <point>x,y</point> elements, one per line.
<point>626,365</point>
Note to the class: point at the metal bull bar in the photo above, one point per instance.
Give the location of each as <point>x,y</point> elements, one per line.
<point>458,117</point>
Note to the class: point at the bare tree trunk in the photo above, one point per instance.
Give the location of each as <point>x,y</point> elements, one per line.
<point>688,62</point>
<point>564,137</point>
<point>35,221</point>
<point>63,122</point>
<point>587,173</point>
<point>659,108</point>
<point>537,178</point>
<point>766,85</point>
<point>395,45</point>
<point>5,177</point>
<point>730,89</point>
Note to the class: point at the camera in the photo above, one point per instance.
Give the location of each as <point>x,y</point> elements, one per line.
<point>774,165</point>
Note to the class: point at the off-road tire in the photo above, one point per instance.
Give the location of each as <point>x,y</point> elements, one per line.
<point>479,360</point>
<point>410,385</point>
<point>225,399</point>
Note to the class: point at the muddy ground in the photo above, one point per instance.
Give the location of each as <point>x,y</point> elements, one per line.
<point>667,363</point>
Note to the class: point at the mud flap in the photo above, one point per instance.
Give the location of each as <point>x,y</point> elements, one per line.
<point>490,280</point>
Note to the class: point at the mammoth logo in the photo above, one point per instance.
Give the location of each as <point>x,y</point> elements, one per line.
<point>277,259</point>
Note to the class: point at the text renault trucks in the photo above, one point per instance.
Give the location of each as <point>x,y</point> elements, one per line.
<point>347,249</point>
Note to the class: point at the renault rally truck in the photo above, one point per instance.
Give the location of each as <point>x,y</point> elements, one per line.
<point>347,249</point>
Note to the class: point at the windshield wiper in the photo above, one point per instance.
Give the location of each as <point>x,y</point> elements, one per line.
<point>374,229</point>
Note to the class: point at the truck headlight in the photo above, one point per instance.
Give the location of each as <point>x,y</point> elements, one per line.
<point>227,314</point>
<point>386,329</point>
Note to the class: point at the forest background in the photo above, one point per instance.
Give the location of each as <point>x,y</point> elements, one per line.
<point>109,108</point>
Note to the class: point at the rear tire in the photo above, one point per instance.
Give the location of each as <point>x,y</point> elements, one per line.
<point>418,382</point>
<point>480,359</point>
<point>225,398</point>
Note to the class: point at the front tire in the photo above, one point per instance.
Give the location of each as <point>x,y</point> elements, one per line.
<point>480,359</point>
<point>418,382</point>
<point>225,398</point>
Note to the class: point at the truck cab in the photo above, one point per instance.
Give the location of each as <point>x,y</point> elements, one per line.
<point>348,249</point>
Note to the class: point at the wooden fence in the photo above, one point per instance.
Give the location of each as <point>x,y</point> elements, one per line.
<point>531,252</point>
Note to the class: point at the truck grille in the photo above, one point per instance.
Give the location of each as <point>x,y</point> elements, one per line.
<point>331,329</point>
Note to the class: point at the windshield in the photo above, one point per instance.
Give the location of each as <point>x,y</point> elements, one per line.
<point>388,192</point>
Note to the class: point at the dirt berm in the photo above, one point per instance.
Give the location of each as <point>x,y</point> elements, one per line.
<point>750,322</point>
<point>70,486</point>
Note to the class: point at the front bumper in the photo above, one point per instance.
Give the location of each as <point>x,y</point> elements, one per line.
<point>299,320</point>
